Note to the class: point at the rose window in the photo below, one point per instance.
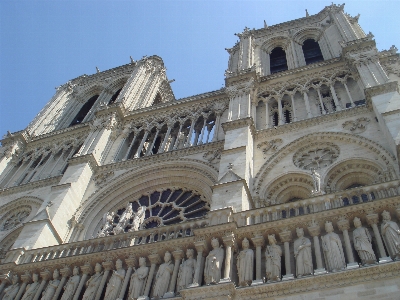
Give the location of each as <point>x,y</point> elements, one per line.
<point>15,219</point>
<point>316,156</point>
<point>160,208</point>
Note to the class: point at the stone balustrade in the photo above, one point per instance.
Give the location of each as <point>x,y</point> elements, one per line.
<point>319,203</point>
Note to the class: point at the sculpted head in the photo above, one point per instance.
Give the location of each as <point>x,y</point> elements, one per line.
<point>142,261</point>
<point>300,232</point>
<point>118,264</point>
<point>215,243</point>
<point>35,277</point>
<point>56,274</point>
<point>75,271</point>
<point>15,279</point>
<point>245,243</point>
<point>97,268</point>
<point>328,227</point>
<point>271,239</point>
<point>386,215</point>
<point>167,257</point>
<point>357,222</point>
<point>189,253</point>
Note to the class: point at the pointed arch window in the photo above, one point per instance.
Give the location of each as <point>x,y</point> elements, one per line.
<point>312,52</point>
<point>278,62</point>
<point>84,111</point>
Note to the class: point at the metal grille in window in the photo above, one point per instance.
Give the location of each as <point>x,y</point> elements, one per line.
<point>167,207</point>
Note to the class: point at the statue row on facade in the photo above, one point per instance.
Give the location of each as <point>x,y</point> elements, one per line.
<point>170,278</point>
<point>128,218</point>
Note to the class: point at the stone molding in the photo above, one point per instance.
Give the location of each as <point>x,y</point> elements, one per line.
<point>385,88</point>
<point>231,125</point>
<point>30,186</point>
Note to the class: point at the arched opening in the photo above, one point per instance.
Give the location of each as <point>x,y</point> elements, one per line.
<point>84,111</point>
<point>114,97</point>
<point>278,62</point>
<point>312,52</point>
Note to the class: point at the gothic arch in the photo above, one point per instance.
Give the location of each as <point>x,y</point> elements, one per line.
<point>289,186</point>
<point>276,42</point>
<point>385,157</point>
<point>307,33</point>
<point>188,175</point>
<point>352,171</point>
<point>8,240</point>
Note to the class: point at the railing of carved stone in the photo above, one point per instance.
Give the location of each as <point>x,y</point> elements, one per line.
<point>145,236</point>
<point>320,203</point>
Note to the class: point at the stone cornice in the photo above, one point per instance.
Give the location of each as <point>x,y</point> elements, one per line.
<point>300,69</point>
<point>315,121</point>
<point>30,186</point>
<point>210,230</point>
<point>389,87</point>
<point>62,133</point>
<point>219,291</point>
<point>88,158</point>
<point>231,125</point>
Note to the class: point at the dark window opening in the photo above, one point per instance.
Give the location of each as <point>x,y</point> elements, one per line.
<point>356,103</point>
<point>114,97</point>
<point>312,52</point>
<point>158,99</point>
<point>278,62</point>
<point>84,111</point>
<point>275,119</point>
<point>287,116</point>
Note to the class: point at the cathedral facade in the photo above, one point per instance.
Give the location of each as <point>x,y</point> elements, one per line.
<point>284,184</point>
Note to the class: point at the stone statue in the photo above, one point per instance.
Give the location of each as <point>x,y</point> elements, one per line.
<point>124,220</point>
<point>212,271</point>
<point>163,276</point>
<point>108,220</point>
<point>186,270</point>
<point>245,264</point>
<point>362,243</point>
<point>273,256</point>
<point>115,282</point>
<point>32,288</point>
<point>317,180</point>
<point>12,291</point>
<point>333,250</point>
<point>92,285</point>
<point>138,280</point>
<point>72,285</point>
<point>138,219</point>
<point>391,235</point>
<point>302,253</point>
<point>51,286</point>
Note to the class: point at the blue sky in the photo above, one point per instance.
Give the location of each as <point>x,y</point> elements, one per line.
<point>43,44</point>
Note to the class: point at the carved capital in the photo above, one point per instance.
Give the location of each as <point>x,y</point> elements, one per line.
<point>177,254</point>
<point>343,224</point>
<point>372,219</point>
<point>154,259</point>
<point>66,271</point>
<point>285,236</point>
<point>26,278</point>
<point>229,240</point>
<point>45,274</point>
<point>108,265</point>
<point>314,230</point>
<point>6,278</point>
<point>130,261</point>
<point>201,246</point>
<point>87,268</point>
<point>258,241</point>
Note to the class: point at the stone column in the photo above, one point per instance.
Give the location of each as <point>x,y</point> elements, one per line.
<point>229,242</point>
<point>26,278</point>
<point>373,220</point>
<point>86,270</point>
<point>307,103</point>
<point>201,247</point>
<point>344,226</point>
<point>258,241</point>
<point>348,94</point>
<point>139,150</point>
<point>314,231</point>
<point>280,111</point>
<point>178,254</point>
<point>321,102</point>
<point>45,277</point>
<point>286,237</point>
<point>108,266</point>
<point>130,262</point>
<point>65,272</point>
<point>167,134</point>
<point>154,260</point>
<point>293,108</point>
<point>135,135</point>
<point>335,98</point>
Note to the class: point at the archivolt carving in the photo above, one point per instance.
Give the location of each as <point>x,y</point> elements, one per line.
<point>307,33</point>
<point>354,171</point>
<point>384,156</point>
<point>277,41</point>
<point>15,218</point>
<point>316,155</point>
